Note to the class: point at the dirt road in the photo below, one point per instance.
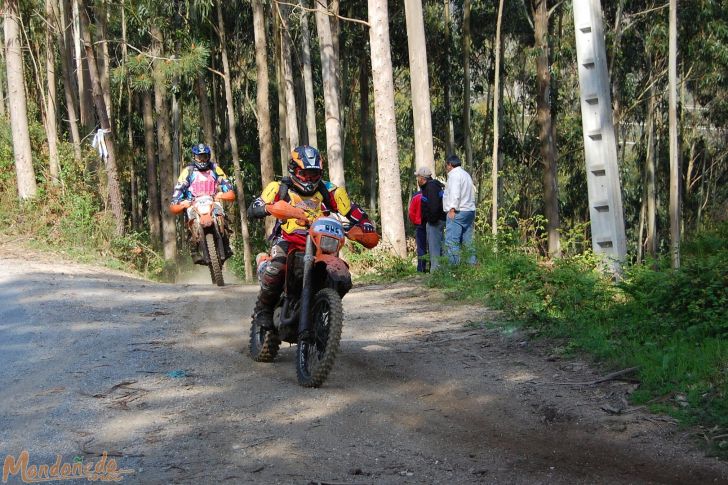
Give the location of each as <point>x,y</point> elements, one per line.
<point>157,376</point>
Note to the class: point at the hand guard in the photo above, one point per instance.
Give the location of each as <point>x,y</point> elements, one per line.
<point>368,227</point>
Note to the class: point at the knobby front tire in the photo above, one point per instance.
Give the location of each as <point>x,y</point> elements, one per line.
<point>315,359</point>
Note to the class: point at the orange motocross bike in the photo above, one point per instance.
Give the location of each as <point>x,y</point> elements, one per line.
<point>206,223</point>
<point>310,313</point>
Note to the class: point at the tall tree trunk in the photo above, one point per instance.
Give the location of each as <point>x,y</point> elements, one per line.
<point>420,82</point>
<point>205,112</point>
<point>164,147</point>
<point>83,81</point>
<point>450,139</point>
<point>22,153</point>
<point>651,189</point>
<point>466,84</point>
<point>364,130</point>
<point>308,79</point>
<point>390,188</point>
<point>112,174</point>
<point>675,195</point>
<point>247,254</point>
<point>176,126</point>
<point>3,110</point>
<point>291,113</point>
<point>334,150</point>
<point>282,131</point>
<point>546,130</point>
<point>265,141</point>
<point>51,100</point>
<point>102,12</point>
<point>155,208</point>
<point>615,77</point>
<point>65,41</point>
<point>496,119</point>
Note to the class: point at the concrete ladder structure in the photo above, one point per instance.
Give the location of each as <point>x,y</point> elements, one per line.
<point>600,147</point>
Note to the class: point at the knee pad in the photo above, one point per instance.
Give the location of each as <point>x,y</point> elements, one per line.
<point>271,274</point>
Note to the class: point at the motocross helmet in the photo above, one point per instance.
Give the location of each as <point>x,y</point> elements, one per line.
<point>306,169</point>
<point>201,154</point>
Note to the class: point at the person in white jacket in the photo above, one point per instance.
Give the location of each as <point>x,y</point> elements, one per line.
<point>459,204</point>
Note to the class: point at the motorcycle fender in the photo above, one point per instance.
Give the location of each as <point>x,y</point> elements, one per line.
<point>338,272</point>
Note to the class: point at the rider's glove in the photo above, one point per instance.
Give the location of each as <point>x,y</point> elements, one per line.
<point>367,227</point>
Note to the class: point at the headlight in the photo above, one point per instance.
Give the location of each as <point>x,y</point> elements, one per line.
<point>329,245</point>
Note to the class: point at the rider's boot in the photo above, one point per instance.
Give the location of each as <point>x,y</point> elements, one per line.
<point>196,254</point>
<point>263,312</point>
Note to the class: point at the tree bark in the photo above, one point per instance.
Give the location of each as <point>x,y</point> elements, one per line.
<point>65,41</point>
<point>164,148</point>
<point>205,112</point>
<point>247,254</point>
<point>154,205</point>
<point>312,137</point>
<point>420,82</point>
<point>102,12</point>
<point>22,153</point>
<point>651,189</point>
<point>51,99</point>
<point>546,129</point>
<point>291,113</point>
<point>466,84</point>
<point>450,140</point>
<point>112,174</point>
<point>83,81</point>
<point>364,131</point>
<point>265,141</point>
<point>285,152</point>
<point>675,195</point>
<point>334,151</point>
<point>390,189</point>
<point>496,119</point>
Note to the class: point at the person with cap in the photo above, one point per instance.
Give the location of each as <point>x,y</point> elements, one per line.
<point>459,204</point>
<point>432,213</point>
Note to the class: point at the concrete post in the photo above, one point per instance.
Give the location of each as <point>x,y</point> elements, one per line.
<point>600,148</point>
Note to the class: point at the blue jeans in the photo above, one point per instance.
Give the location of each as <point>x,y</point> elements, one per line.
<point>421,240</point>
<point>459,234</point>
<point>434,243</point>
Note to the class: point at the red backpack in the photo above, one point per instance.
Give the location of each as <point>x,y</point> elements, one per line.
<point>415,209</point>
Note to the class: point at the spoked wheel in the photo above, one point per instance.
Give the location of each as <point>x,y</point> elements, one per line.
<point>215,263</point>
<point>315,358</point>
<point>264,344</point>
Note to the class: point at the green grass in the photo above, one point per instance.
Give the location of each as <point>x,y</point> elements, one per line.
<point>673,325</point>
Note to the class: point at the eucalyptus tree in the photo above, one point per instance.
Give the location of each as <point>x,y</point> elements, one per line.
<point>22,153</point>
<point>332,113</point>
<point>232,124</point>
<point>283,12</point>
<point>419,80</point>
<point>64,39</point>
<point>541,13</point>
<point>466,39</point>
<point>106,132</point>
<point>675,216</point>
<point>312,137</point>
<point>51,95</point>
<point>265,142</point>
<point>496,119</point>
<point>390,188</point>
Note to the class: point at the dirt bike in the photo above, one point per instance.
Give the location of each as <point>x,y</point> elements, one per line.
<point>310,313</point>
<point>206,223</point>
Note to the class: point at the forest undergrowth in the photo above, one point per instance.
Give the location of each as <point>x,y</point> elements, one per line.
<point>672,325</point>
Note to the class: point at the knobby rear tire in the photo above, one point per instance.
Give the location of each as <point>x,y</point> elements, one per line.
<point>264,344</point>
<point>314,360</point>
<point>215,264</point>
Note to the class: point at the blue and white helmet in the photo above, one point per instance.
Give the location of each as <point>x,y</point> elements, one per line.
<point>201,154</point>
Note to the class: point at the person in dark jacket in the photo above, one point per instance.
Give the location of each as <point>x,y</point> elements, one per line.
<point>432,213</point>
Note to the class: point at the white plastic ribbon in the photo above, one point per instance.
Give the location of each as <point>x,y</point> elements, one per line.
<point>100,143</point>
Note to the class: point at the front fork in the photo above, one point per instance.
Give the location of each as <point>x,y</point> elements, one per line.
<point>304,321</point>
